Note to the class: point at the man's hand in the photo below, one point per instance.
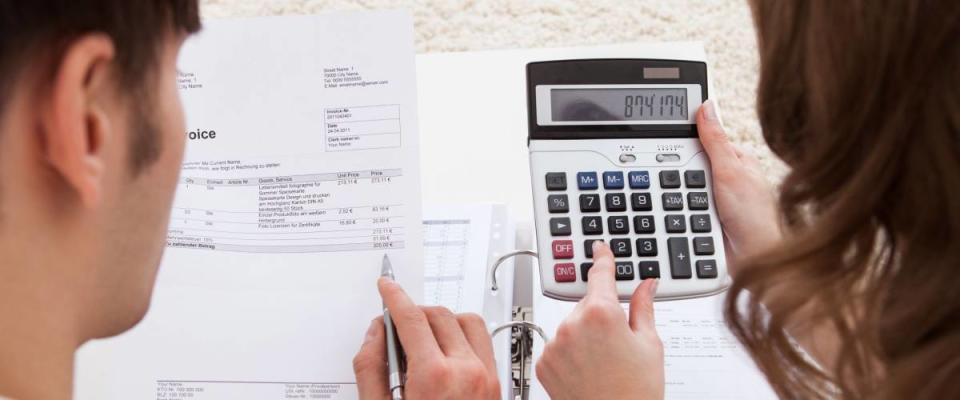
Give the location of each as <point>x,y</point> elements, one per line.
<point>746,204</point>
<point>448,356</point>
<point>597,352</point>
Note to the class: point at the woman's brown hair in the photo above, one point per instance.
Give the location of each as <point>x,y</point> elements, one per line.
<point>861,98</point>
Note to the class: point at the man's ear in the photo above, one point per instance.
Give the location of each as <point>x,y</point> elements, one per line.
<point>75,125</point>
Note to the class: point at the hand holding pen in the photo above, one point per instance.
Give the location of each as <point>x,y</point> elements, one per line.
<point>448,356</point>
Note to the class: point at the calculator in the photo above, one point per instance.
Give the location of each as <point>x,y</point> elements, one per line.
<point>615,157</point>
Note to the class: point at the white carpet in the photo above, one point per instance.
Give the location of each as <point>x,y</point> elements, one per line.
<point>724,26</point>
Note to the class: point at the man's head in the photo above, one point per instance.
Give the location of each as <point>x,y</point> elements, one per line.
<point>91,141</point>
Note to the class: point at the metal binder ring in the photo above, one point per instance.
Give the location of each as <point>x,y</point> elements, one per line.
<point>505,257</point>
<point>525,324</point>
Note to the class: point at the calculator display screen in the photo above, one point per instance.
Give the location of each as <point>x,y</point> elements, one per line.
<point>610,105</point>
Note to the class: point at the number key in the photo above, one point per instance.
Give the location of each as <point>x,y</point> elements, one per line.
<point>643,224</point>
<point>616,202</point>
<point>621,247</point>
<point>588,246</point>
<point>641,202</point>
<point>624,270</point>
<point>589,203</point>
<point>585,269</point>
<point>558,203</point>
<point>647,247</point>
<point>618,225</point>
<point>592,225</point>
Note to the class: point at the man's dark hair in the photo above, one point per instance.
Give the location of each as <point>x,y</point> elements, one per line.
<point>30,29</point>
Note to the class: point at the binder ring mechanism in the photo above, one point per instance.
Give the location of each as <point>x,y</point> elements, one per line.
<point>521,340</point>
<point>523,325</point>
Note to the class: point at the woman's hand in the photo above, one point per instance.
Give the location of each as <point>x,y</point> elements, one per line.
<point>448,356</point>
<point>597,352</point>
<point>746,204</point>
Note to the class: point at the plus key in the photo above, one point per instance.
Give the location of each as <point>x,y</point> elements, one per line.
<point>679,258</point>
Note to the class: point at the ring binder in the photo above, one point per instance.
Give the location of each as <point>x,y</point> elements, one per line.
<point>519,328</point>
<point>505,257</point>
<point>523,325</point>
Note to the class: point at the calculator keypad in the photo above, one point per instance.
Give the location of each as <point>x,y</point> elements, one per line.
<point>618,207</point>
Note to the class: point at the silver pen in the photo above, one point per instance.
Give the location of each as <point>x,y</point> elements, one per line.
<point>394,370</point>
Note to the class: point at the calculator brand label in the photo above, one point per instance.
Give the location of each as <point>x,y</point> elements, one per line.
<point>669,147</point>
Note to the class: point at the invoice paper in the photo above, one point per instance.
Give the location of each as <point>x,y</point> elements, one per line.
<point>301,172</point>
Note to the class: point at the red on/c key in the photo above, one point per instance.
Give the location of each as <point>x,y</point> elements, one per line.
<point>562,249</point>
<point>565,272</point>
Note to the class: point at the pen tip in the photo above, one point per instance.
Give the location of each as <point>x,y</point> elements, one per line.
<point>386,270</point>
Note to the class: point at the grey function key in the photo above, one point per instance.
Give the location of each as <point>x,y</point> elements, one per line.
<point>675,224</point>
<point>697,201</point>
<point>670,179</point>
<point>706,269</point>
<point>696,179</point>
<point>703,246</point>
<point>672,201</point>
<point>558,203</point>
<point>556,181</point>
<point>648,269</point>
<point>679,258</point>
<point>700,223</point>
<point>560,226</point>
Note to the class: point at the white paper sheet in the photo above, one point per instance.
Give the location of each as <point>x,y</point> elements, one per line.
<point>282,216</point>
<point>460,242</point>
<point>456,244</point>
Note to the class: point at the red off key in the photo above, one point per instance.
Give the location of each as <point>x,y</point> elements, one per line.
<point>562,249</point>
